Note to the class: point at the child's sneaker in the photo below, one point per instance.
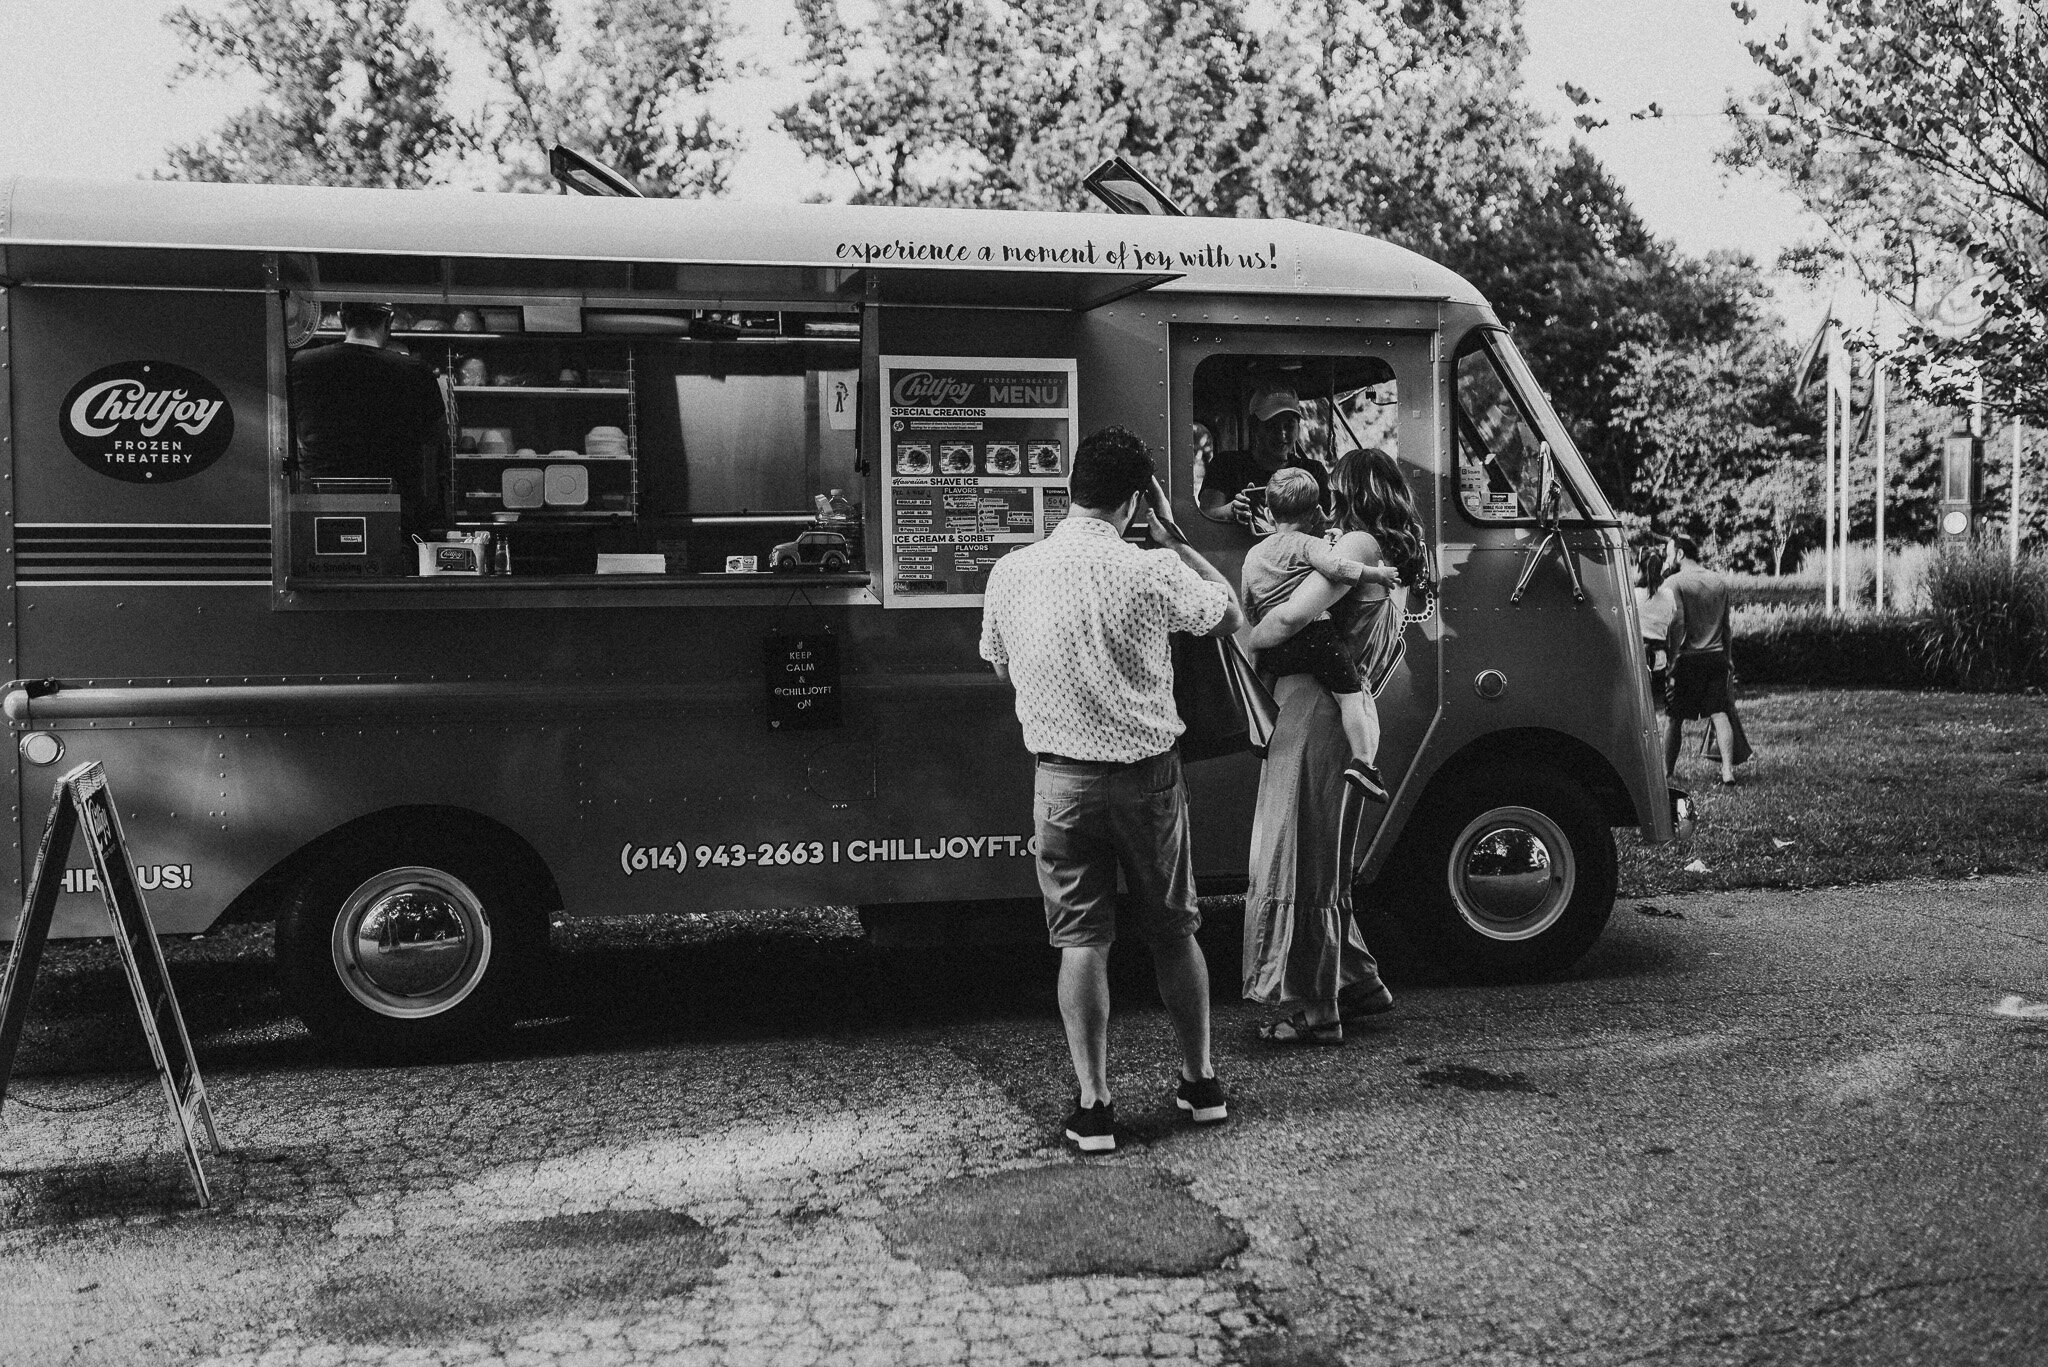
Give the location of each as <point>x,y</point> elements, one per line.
<point>1366,779</point>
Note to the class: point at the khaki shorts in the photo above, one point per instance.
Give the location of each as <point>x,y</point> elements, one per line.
<point>1095,819</point>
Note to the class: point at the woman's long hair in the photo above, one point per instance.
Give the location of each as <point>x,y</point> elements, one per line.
<point>1652,560</point>
<point>1372,496</point>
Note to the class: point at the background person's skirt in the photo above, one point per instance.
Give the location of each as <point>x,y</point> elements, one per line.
<point>1301,940</point>
<point>1699,685</point>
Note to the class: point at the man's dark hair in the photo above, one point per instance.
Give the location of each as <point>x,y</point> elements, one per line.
<point>355,316</point>
<point>1109,466</point>
<point>1688,548</point>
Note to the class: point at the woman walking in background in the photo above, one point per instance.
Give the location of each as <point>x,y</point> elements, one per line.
<point>1302,945</point>
<point>1654,606</point>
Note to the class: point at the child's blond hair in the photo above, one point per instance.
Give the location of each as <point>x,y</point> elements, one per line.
<point>1292,494</point>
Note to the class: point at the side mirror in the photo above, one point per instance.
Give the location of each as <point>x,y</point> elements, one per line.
<point>1549,489</point>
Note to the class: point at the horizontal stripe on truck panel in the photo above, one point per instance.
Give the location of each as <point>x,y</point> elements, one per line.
<point>89,553</point>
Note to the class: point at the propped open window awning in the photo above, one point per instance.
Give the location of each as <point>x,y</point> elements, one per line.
<point>937,287</point>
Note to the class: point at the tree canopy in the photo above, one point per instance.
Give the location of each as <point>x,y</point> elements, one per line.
<point>631,93</point>
<point>353,93</point>
<point>356,92</point>
<point>1919,134</point>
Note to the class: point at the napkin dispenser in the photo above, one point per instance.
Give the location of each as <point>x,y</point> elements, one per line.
<point>459,553</point>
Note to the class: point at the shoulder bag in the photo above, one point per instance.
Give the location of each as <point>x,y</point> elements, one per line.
<point>1222,701</point>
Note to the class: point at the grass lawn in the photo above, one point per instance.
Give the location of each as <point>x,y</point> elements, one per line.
<point>1857,786</point>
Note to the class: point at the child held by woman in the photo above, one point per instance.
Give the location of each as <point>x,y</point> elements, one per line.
<point>1272,571</point>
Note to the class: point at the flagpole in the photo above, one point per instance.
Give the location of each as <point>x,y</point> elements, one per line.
<point>1848,436</point>
<point>1828,506</point>
<point>1877,396</point>
<point>2013,531</point>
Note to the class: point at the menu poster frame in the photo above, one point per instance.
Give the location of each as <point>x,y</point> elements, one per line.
<point>964,425</point>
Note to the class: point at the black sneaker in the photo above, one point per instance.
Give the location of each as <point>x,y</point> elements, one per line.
<point>1366,778</point>
<point>1092,1129</point>
<point>1202,1099</point>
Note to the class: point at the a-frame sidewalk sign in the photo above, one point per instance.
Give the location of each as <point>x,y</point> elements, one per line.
<point>83,800</point>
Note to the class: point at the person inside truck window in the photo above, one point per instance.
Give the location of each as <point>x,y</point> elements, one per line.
<point>1233,480</point>
<point>361,409</point>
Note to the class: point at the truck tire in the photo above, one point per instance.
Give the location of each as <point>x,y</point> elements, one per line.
<point>413,946</point>
<point>1502,874</point>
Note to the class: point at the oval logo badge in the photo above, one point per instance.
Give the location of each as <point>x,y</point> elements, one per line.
<point>147,422</point>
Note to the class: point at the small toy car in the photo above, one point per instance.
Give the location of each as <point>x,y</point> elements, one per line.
<point>825,552</point>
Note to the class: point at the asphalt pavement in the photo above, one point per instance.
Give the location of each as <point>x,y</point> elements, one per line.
<point>1756,1127</point>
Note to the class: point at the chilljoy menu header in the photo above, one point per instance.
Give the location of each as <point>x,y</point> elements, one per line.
<point>978,389</point>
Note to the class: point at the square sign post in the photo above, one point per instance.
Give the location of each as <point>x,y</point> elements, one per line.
<point>84,801</point>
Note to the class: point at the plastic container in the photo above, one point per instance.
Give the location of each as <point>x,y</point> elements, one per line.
<point>838,513</point>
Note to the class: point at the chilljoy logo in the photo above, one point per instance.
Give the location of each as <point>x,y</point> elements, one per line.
<point>922,389</point>
<point>147,422</point>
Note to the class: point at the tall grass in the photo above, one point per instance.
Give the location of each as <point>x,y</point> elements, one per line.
<point>1905,583</point>
<point>1987,625</point>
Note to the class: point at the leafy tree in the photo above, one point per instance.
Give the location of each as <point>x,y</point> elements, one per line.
<point>1730,455</point>
<point>1009,105</point>
<point>353,93</point>
<point>1392,116</point>
<point>1573,270</point>
<point>1919,133</point>
<point>1401,118</point>
<point>630,93</point>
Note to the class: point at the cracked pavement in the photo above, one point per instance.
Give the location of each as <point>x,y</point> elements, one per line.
<point>1773,1128</point>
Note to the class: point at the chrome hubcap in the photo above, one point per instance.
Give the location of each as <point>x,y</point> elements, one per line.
<point>1512,873</point>
<point>411,942</point>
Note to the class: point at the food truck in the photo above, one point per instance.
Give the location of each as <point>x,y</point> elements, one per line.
<point>692,624</point>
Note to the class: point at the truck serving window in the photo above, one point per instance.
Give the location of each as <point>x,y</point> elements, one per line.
<point>572,438</point>
<point>1254,414</point>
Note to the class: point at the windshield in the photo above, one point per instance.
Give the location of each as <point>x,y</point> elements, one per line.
<point>1578,480</point>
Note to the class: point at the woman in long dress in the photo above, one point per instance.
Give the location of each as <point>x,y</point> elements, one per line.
<point>1302,945</point>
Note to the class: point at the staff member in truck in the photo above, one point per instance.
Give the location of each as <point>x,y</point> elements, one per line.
<point>1230,478</point>
<point>1077,624</point>
<point>364,410</point>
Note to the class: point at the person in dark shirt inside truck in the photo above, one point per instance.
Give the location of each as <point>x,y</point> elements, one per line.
<point>1234,482</point>
<point>363,410</point>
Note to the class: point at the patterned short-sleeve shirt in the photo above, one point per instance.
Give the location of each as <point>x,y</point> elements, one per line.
<point>1080,620</point>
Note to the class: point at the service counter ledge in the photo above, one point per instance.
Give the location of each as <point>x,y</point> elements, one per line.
<point>444,591</point>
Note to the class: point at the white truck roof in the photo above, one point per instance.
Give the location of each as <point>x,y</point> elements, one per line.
<point>1229,255</point>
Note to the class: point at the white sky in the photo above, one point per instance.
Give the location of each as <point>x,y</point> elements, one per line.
<point>84,90</point>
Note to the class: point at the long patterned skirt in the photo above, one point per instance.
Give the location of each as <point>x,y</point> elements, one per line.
<point>1301,940</point>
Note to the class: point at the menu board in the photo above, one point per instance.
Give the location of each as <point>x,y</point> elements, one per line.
<point>977,452</point>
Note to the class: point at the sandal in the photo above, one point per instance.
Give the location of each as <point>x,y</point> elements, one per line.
<point>1353,1003</point>
<point>1298,1030</point>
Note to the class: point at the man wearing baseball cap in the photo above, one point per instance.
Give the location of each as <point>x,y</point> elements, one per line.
<point>1231,476</point>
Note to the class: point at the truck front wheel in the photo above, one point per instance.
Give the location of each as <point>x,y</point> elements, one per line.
<point>406,949</point>
<point>1503,874</point>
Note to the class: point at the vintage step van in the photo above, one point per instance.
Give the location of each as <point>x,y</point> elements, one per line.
<point>592,685</point>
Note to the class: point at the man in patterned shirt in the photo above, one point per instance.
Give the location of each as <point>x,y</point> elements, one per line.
<point>1077,624</point>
